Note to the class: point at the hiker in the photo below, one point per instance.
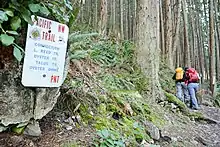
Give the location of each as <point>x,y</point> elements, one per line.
<point>192,78</point>
<point>181,87</point>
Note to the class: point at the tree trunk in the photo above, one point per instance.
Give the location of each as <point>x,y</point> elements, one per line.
<point>211,47</point>
<point>129,19</point>
<point>186,37</point>
<point>168,34</point>
<point>135,20</point>
<point>205,40</point>
<point>217,41</point>
<point>162,39</point>
<point>126,20</point>
<point>177,27</point>
<point>122,16</point>
<point>103,17</point>
<point>148,43</point>
<point>113,18</point>
<point>200,50</point>
<point>96,14</point>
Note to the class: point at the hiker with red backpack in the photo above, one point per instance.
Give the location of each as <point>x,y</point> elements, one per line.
<point>181,88</point>
<point>192,81</point>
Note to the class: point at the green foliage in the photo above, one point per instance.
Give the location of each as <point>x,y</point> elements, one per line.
<point>102,51</point>
<point>6,40</point>
<point>196,115</point>
<point>18,130</point>
<point>217,100</point>
<point>34,7</point>
<point>109,138</point>
<point>217,96</point>
<point>76,37</point>
<point>110,54</point>
<point>63,11</point>
<point>165,78</point>
<point>11,17</point>
<point>173,99</point>
<point>115,82</point>
<point>131,127</point>
<point>106,91</point>
<point>17,53</point>
<point>15,23</point>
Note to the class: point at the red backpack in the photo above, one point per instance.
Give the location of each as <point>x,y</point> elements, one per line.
<point>192,75</point>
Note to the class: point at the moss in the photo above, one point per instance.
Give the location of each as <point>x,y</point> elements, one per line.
<point>102,122</point>
<point>112,108</point>
<point>102,109</point>
<point>166,81</point>
<point>123,96</point>
<point>119,100</point>
<point>129,93</point>
<point>133,130</point>
<point>155,119</point>
<point>126,126</point>
<point>18,130</point>
<point>103,98</point>
<point>183,108</point>
<point>196,115</point>
<point>173,99</point>
<point>85,114</point>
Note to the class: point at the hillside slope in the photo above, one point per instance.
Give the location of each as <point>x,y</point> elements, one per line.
<point>105,102</point>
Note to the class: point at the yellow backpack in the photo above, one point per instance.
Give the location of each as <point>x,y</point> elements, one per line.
<point>179,73</point>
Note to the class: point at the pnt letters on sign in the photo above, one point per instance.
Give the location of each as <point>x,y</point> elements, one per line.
<point>45,53</point>
<point>54,79</point>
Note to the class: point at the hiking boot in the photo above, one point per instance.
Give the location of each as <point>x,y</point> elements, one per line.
<point>196,108</point>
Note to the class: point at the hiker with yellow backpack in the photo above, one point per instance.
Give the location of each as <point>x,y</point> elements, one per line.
<point>181,85</point>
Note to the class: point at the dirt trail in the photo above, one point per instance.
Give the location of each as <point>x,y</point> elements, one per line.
<point>190,133</point>
<point>209,133</point>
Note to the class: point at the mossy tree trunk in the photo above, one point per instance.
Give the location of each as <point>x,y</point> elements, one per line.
<point>148,50</point>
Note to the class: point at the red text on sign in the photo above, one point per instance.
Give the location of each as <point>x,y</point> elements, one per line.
<point>61,28</point>
<point>54,79</point>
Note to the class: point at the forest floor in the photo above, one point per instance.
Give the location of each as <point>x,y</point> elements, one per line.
<point>190,133</point>
<point>52,135</point>
<point>182,131</point>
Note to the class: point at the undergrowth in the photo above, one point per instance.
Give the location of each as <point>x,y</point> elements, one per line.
<point>217,96</point>
<point>108,90</point>
<point>166,81</point>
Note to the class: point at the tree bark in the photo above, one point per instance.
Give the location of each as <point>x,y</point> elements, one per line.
<point>125,23</point>
<point>168,34</point>
<point>177,27</point>
<point>113,18</point>
<point>121,20</point>
<point>186,36</point>
<point>103,17</point>
<point>217,41</point>
<point>162,38</point>
<point>148,44</point>
<point>211,47</point>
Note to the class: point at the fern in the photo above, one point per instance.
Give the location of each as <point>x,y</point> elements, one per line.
<point>74,37</point>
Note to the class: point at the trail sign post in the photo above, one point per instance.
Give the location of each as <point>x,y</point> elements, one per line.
<point>45,53</point>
